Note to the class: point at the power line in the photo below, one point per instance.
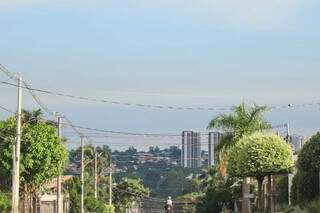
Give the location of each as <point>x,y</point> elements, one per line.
<point>124,103</point>
<point>287,106</point>
<point>115,133</point>
<point>12,76</point>
<point>7,110</point>
<point>125,133</point>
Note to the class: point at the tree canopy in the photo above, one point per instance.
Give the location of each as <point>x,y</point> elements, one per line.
<point>309,156</point>
<point>43,155</point>
<point>244,120</point>
<point>260,154</point>
<point>127,192</point>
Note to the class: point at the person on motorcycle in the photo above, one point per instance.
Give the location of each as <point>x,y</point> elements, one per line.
<point>168,206</point>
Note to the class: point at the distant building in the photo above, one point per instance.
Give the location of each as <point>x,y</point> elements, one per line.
<point>214,138</point>
<point>191,149</point>
<point>297,142</point>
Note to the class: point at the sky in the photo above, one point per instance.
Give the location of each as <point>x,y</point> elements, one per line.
<point>204,53</point>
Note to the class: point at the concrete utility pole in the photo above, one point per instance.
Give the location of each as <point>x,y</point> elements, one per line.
<point>290,176</point>
<point>59,203</point>
<point>82,175</point>
<point>110,185</point>
<point>95,172</point>
<point>16,154</point>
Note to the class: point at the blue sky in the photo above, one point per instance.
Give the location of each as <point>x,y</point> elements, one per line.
<point>190,53</point>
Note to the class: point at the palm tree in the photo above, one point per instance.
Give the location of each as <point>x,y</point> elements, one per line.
<point>242,121</point>
<point>32,117</point>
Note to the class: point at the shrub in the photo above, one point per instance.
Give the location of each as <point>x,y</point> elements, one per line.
<point>309,156</point>
<point>97,206</point>
<point>313,207</point>
<point>305,187</point>
<point>4,203</point>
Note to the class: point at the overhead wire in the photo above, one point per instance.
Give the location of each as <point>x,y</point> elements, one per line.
<point>287,106</point>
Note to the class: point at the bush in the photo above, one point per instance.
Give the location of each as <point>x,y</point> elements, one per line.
<point>188,203</point>
<point>281,185</point>
<point>97,206</point>
<point>313,207</point>
<point>110,209</point>
<point>305,187</point>
<point>4,203</point>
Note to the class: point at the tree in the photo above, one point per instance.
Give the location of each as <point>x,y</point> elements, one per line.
<point>103,160</point>
<point>260,155</point>
<point>281,187</point>
<point>32,117</point>
<point>43,155</point>
<point>220,193</point>
<point>309,156</point>
<point>189,203</point>
<point>305,184</point>
<point>242,121</point>
<point>128,192</point>
<point>98,206</point>
<point>305,187</point>
<point>131,151</point>
<point>103,163</point>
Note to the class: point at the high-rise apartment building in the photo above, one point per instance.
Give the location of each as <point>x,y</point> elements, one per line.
<point>297,142</point>
<point>191,149</point>
<point>214,138</point>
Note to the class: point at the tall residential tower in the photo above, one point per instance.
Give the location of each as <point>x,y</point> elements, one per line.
<point>191,149</point>
<point>214,138</point>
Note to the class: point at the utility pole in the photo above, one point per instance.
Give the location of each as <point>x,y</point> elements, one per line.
<point>82,175</point>
<point>59,203</point>
<point>95,172</point>
<point>290,176</point>
<point>110,185</point>
<point>16,154</point>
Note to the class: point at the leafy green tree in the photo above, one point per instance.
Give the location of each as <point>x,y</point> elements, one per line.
<point>188,203</point>
<point>242,121</point>
<point>73,186</point>
<point>127,193</point>
<point>309,156</point>
<point>221,194</point>
<point>305,184</point>
<point>43,155</point>
<point>103,158</point>
<point>305,187</point>
<point>97,206</point>
<point>281,187</point>
<point>260,155</point>
<point>207,177</point>
<point>131,151</point>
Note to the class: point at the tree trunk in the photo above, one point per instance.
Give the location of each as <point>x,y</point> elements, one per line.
<point>270,189</point>
<point>260,194</point>
<point>25,199</point>
<point>246,207</point>
<point>30,203</point>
